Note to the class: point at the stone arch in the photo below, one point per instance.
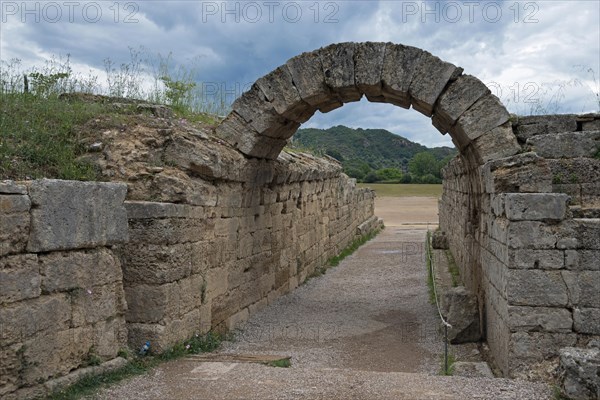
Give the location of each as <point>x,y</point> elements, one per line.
<point>266,116</point>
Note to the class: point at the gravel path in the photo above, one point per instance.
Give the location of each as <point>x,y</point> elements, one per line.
<point>364,330</point>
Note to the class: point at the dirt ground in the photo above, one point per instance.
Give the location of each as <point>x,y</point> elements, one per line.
<point>407,212</point>
<point>364,330</point>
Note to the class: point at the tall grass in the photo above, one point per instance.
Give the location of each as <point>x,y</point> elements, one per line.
<point>38,130</point>
<point>145,76</point>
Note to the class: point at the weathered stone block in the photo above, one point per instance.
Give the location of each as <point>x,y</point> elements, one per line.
<point>157,264</point>
<point>540,319</point>
<point>154,210</point>
<point>307,74</point>
<point>463,314</point>
<point>252,111</point>
<point>578,371</point>
<point>430,79</point>
<point>583,287</point>
<point>11,187</point>
<point>368,65</point>
<point>217,282</point>
<point>20,321</point>
<point>588,233</point>
<point>73,215</point>
<point>529,347</point>
<point>279,90</point>
<point>536,206</point>
<point>582,259</point>
<point>536,259</point>
<point>496,144</point>
<point>338,68</point>
<point>167,231</point>
<point>10,204</point>
<point>545,124</point>
<point>399,67</point>
<point>182,328</point>
<point>237,133</point>
<point>524,132</point>
<point>178,188</point>
<point>14,232</point>
<point>265,147</point>
<point>10,366</point>
<point>109,336</point>
<point>523,173</point>
<point>566,145</point>
<point>68,271</point>
<point>486,114</point>
<point>531,235</point>
<point>536,288</point>
<point>19,278</point>
<point>96,304</point>
<point>55,353</point>
<point>587,320</point>
<point>151,303</point>
<point>460,95</point>
<point>204,158</point>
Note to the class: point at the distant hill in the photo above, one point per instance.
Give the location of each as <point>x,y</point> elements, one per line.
<point>365,149</point>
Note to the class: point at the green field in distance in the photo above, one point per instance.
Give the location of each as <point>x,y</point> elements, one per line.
<point>404,190</point>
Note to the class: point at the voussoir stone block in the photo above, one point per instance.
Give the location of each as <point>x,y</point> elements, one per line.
<point>536,206</point>
<point>74,215</point>
<point>486,114</point>
<point>237,133</point>
<point>430,79</point>
<point>496,144</point>
<point>399,67</point>
<point>456,99</point>
<point>257,114</point>
<point>278,88</point>
<point>338,69</point>
<point>262,146</point>
<point>368,65</point>
<point>307,74</point>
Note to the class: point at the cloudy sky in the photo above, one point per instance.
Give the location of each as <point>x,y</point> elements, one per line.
<point>534,55</point>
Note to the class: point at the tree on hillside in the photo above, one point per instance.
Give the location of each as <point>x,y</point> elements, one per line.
<point>422,164</point>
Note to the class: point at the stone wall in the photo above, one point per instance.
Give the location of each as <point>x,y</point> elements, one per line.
<point>84,273</point>
<point>62,305</point>
<point>190,268</point>
<point>530,250</point>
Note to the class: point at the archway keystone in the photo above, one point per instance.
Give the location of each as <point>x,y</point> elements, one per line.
<point>263,118</point>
